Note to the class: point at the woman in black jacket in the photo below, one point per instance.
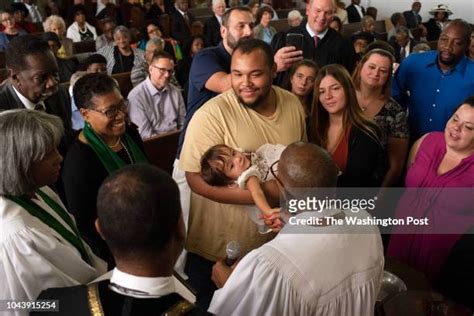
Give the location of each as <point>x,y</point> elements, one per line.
<point>339,125</point>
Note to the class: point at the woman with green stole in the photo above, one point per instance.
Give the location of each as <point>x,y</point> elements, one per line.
<point>108,142</point>
<point>40,244</point>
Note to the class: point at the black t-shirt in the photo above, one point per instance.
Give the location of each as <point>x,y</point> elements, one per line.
<point>86,35</point>
<point>122,63</point>
<point>11,36</point>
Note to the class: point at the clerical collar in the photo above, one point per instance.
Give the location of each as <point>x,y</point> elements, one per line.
<point>141,287</point>
<point>312,34</point>
<point>27,103</point>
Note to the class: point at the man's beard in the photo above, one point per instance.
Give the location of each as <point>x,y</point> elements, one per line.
<point>258,102</point>
<point>232,42</point>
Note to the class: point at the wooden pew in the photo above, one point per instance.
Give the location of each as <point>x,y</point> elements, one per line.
<point>124,82</point>
<point>380,26</point>
<point>83,47</point>
<point>280,25</point>
<point>161,150</point>
<point>2,59</point>
<point>199,12</point>
<point>350,28</point>
<point>3,74</point>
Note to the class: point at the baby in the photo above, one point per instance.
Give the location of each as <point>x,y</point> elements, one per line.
<point>225,166</point>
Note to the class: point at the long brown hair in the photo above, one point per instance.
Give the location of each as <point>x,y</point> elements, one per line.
<point>386,89</point>
<point>353,115</point>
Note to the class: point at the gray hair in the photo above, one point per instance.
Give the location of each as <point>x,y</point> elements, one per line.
<point>295,14</point>
<point>216,2</point>
<point>122,29</point>
<point>159,42</point>
<point>54,19</point>
<point>402,30</point>
<point>366,19</point>
<point>26,136</point>
<point>421,47</point>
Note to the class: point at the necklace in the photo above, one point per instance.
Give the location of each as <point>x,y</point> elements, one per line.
<point>118,142</point>
<point>128,154</point>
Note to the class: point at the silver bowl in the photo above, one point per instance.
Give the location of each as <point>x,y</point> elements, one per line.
<point>391,284</point>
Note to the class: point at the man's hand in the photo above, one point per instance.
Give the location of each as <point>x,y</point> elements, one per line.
<point>285,57</point>
<point>221,272</point>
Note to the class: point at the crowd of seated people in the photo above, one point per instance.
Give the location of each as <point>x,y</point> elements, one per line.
<point>380,109</point>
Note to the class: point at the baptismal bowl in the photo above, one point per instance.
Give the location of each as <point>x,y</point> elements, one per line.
<point>391,284</point>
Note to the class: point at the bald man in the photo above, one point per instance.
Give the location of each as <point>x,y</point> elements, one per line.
<point>320,269</point>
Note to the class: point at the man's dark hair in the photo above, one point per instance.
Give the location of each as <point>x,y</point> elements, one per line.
<point>91,85</point>
<point>402,30</point>
<point>464,26</point>
<point>250,45</point>
<point>162,54</point>
<point>93,59</point>
<point>138,208</point>
<point>19,6</point>
<point>226,16</point>
<point>22,46</point>
<point>395,18</point>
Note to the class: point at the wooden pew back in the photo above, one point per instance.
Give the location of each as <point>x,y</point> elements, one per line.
<point>124,82</point>
<point>161,150</point>
<point>83,47</point>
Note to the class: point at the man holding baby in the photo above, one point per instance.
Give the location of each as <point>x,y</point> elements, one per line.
<point>247,116</point>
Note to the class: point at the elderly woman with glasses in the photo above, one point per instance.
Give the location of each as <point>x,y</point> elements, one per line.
<point>40,244</point>
<point>121,57</point>
<point>107,143</point>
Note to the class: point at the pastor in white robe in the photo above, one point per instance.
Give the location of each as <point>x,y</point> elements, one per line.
<point>311,270</point>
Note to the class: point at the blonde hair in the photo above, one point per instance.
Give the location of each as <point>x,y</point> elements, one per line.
<point>54,19</point>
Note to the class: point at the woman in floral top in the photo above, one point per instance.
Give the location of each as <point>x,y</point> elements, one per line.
<point>372,80</point>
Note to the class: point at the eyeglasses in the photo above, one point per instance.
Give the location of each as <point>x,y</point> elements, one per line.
<point>164,70</point>
<point>113,111</point>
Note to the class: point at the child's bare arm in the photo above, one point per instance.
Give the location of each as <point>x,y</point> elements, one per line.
<point>255,188</point>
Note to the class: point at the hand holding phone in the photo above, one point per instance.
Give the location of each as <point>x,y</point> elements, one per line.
<point>295,39</point>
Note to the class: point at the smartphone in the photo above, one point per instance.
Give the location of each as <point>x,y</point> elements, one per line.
<point>294,39</point>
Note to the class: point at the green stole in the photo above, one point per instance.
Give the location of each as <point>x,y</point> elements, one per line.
<point>38,212</point>
<point>109,158</point>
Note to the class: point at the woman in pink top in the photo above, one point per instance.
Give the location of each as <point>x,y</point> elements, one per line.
<point>438,160</point>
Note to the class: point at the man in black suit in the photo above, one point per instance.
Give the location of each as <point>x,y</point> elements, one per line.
<point>355,12</point>
<point>320,43</point>
<point>181,21</point>
<point>413,16</point>
<point>139,216</point>
<point>212,27</point>
<point>33,82</point>
<point>402,43</point>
